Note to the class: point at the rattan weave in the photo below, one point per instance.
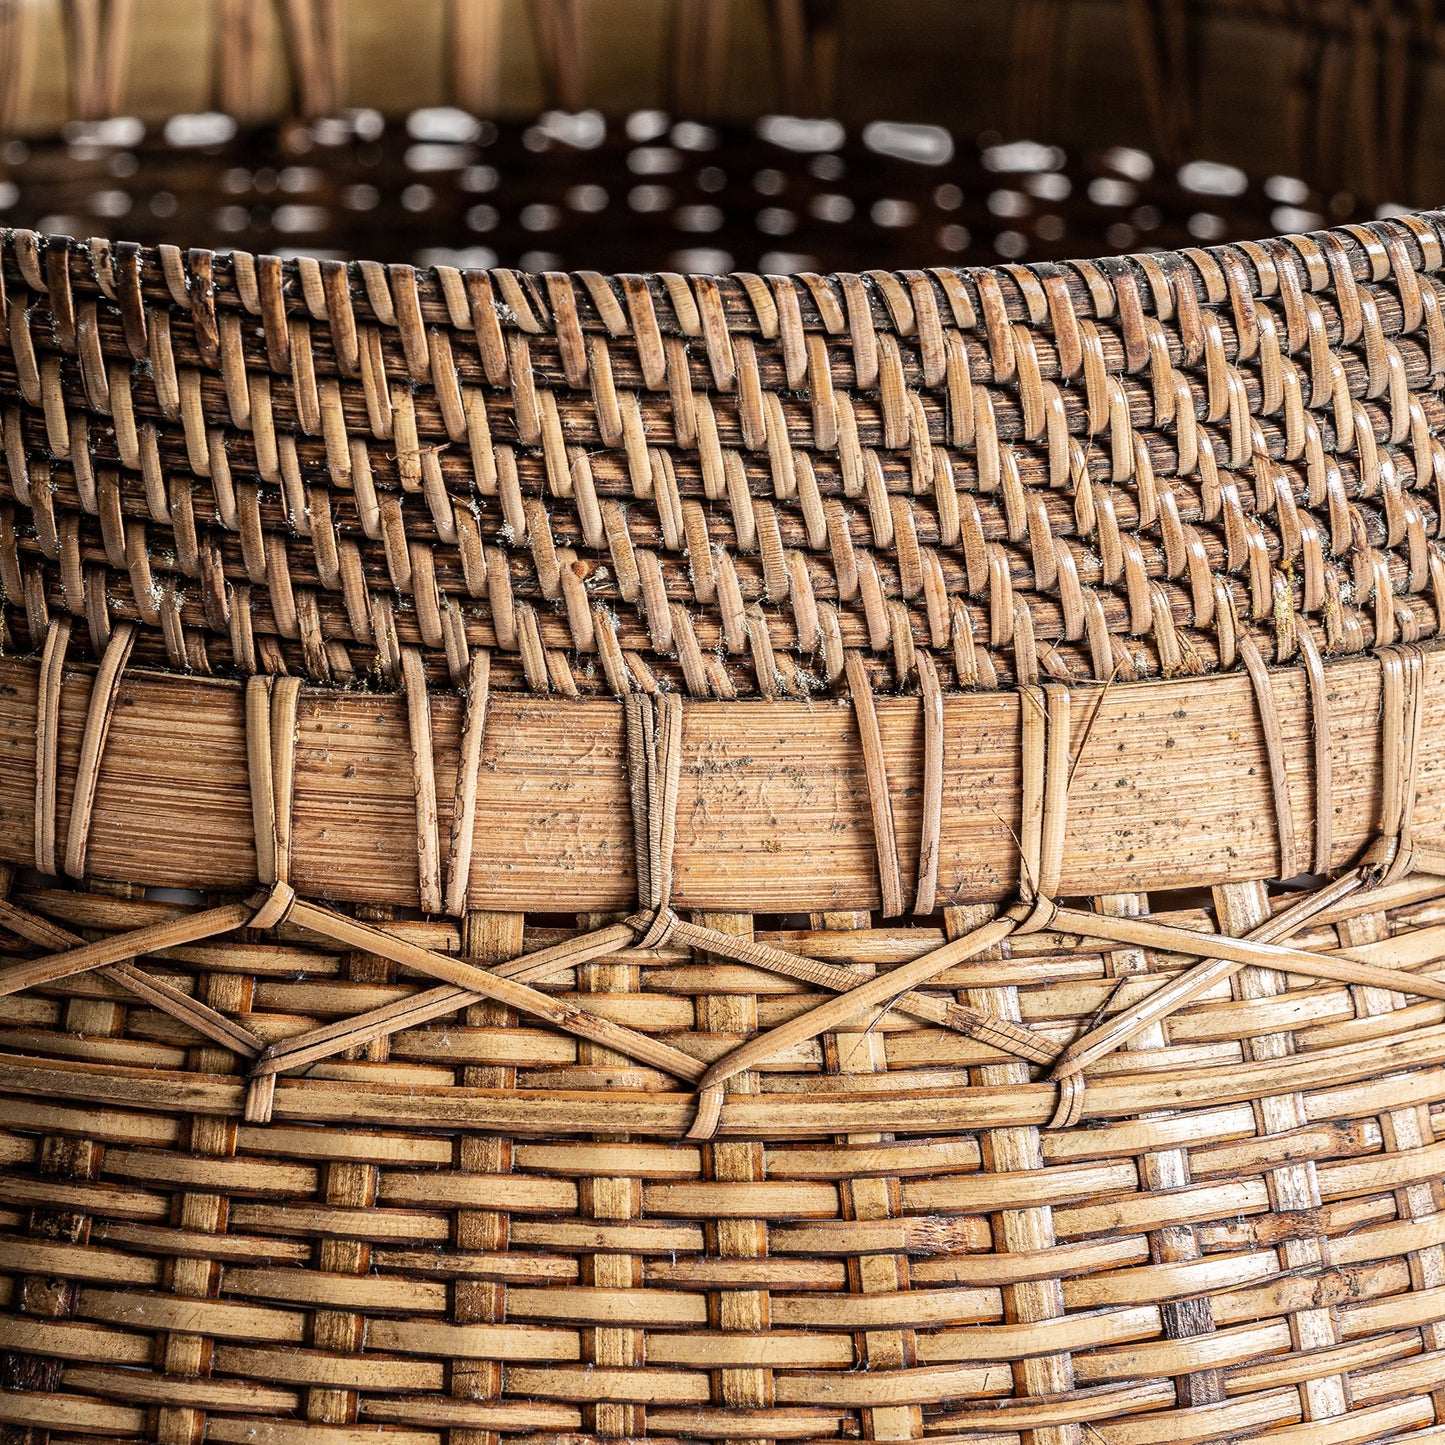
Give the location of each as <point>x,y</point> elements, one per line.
<point>851,849</point>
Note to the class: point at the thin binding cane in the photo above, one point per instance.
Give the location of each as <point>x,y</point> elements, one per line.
<point>930,830</point>
<point>875,771</point>
<point>271,717</point>
<point>654,766</point>
<point>1046,732</point>
<point>47,741</point>
<point>464,805</point>
<point>104,692</point>
<point>1402,705</point>
<point>1323,751</point>
<point>418,719</point>
<point>1274,747</point>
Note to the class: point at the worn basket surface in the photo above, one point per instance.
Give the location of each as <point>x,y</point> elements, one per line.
<point>850,848</point>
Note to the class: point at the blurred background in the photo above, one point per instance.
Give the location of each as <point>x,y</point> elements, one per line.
<point>712,135</point>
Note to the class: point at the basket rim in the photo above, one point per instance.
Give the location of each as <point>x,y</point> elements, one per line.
<point>867,313</point>
<point>164,258</point>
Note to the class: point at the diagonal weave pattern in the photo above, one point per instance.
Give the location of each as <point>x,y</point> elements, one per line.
<point>1093,471</point>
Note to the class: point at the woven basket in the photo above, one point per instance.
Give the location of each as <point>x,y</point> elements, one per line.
<point>771,856</point>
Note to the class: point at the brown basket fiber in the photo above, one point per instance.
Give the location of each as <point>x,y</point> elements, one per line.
<point>832,829</point>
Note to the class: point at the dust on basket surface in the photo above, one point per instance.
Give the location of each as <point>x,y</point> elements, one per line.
<point>835,830</point>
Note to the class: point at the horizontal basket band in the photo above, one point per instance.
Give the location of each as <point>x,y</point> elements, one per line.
<point>1171,785</point>
<point>884,1104</point>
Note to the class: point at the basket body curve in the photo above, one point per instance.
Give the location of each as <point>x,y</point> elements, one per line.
<point>688,857</point>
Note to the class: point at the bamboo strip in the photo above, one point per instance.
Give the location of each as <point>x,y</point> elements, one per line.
<point>1340,967</point>
<point>1014,1038</point>
<point>829,1015</point>
<point>568,1017</point>
<point>187,929</point>
<point>1198,980</point>
<point>353,1032</point>
<point>899,1106</point>
<point>752,826</point>
<point>200,1016</point>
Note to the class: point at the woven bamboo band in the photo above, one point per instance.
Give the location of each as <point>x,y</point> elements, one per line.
<point>727,486</point>
<point>1263,947</point>
<point>394,1127</point>
<point>653,730</point>
<point>726,788</point>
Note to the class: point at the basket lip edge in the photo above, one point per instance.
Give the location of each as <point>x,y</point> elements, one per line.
<point>1107,267</point>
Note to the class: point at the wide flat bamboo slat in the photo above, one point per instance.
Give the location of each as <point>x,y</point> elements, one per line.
<point>1170,787</point>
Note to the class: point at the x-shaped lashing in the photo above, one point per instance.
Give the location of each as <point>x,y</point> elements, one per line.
<point>465,983</point>
<point>509,983</point>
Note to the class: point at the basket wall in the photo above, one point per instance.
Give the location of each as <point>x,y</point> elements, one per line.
<point>682,857</point>
<point>482,1226</point>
